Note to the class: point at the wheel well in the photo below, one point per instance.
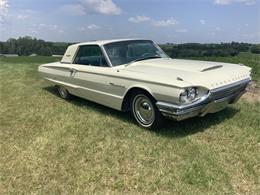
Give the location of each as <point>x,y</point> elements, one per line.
<point>126,101</point>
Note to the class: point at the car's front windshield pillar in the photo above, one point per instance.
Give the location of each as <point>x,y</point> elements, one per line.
<point>106,56</point>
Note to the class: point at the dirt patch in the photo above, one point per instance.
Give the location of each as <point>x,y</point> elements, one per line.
<point>253,93</point>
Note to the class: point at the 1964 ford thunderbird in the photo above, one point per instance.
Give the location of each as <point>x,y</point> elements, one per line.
<point>137,76</point>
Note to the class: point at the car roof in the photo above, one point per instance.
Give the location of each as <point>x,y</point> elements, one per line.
<point>72,49</point>
<point>103,42</point>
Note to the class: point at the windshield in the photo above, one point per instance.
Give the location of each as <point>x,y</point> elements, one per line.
<point>125,52</point>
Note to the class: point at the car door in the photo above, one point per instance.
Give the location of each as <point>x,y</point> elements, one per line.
<point>92,76</point>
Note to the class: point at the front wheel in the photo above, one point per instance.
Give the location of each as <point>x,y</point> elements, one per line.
<point>144,110</point>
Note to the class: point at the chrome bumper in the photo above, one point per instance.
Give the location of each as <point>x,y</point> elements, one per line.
<point>217,100</point>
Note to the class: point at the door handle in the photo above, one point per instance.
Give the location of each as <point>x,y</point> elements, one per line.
<point>72,72</point>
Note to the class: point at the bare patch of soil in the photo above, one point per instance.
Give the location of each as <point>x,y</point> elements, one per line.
<point>253,93</point>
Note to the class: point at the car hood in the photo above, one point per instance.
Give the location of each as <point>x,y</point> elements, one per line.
<point>191,72</point>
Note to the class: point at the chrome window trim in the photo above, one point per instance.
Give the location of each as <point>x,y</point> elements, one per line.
<point>102,52</point>
<point>106,56</point>
<point>156,45</point>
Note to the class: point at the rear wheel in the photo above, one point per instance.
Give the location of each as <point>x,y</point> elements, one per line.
<point>63,92</point>
<point>144,110</point>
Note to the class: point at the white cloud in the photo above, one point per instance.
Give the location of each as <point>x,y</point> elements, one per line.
<point>21,17</point>
<point>49,27</point>
<point>4,5</point>
<point>33,32</point>
<point>216,31</point>
<point>165,23</point>
<point>106,7</point>
<point>157,23</point>
<point>202,21</point>
<point>90,29</point>
<point>138,19</point>
<point>93,27</point>
<point>183,30</point>
<point>228,2</point>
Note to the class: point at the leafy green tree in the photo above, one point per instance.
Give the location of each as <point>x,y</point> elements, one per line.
<point>45,51</point>
<point>255,49</point>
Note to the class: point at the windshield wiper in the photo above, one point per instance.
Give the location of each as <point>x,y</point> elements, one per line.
<point>145,58</point>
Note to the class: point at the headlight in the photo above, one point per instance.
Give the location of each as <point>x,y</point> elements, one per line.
<point>188,95</point>
<point>192,94</point>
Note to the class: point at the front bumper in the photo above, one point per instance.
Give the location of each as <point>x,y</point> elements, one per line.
<point>217,100</point>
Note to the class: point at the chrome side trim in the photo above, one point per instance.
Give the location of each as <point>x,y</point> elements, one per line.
<point>62,68</point>
<point>109,75</point>
<point>115,85</point>
<point>127,78</point>
<point>79,87</point>
<point>65,62</point>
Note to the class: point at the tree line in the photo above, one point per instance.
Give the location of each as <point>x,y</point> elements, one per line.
<point>217,50</point>
<point>25,46</point>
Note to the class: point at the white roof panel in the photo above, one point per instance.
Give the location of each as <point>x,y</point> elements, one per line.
<point>103,42</point>
<point>72,49</point>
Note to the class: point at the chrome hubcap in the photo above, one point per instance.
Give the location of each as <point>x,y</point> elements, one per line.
<point>143,109</point>
<point>62,92</point>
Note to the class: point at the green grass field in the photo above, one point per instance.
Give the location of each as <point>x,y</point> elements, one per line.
<point>52,146</point>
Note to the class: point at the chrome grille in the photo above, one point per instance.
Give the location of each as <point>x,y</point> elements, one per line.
<point>229,89</point>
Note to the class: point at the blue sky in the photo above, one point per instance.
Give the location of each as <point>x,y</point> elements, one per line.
<point>176,21</point>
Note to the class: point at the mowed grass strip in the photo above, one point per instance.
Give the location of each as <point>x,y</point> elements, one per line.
<point>49,145</point>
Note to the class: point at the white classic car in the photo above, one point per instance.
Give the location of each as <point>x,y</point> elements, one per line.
<point>137,76</point>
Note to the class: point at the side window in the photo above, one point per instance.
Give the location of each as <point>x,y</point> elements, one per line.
<point>90,55</point>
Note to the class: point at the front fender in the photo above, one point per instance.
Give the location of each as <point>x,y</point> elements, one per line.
<point>158,92</point>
